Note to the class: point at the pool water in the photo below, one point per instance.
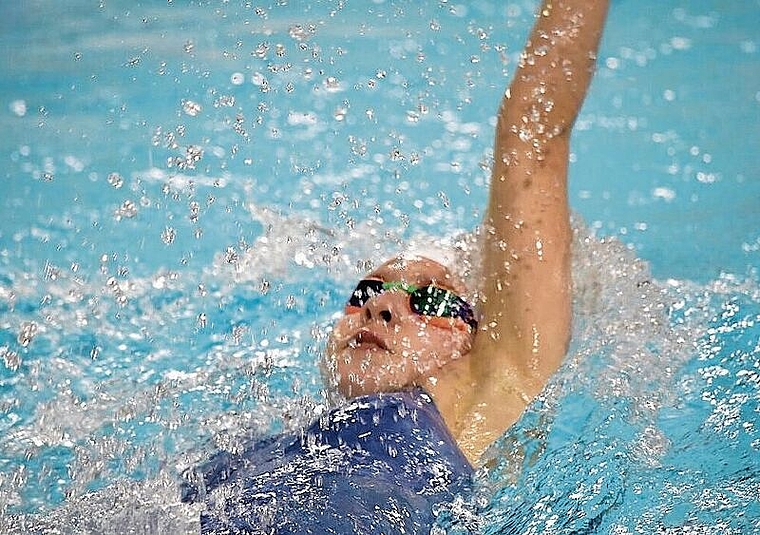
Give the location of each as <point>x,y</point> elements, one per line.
<point>190,189</point>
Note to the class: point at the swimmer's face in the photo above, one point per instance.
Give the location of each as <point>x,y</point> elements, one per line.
<point>384,345</point>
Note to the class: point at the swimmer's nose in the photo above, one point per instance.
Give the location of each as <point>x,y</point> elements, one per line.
<point>384,308</point>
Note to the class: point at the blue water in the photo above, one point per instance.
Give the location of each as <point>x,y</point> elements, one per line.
<point>190,189</point>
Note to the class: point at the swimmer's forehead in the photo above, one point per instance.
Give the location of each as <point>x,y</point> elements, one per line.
<point>417,271</point>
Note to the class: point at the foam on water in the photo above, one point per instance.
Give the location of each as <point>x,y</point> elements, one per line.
<point>661,377</point>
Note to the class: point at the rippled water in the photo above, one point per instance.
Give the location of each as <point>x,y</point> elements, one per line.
<point>190,190</point>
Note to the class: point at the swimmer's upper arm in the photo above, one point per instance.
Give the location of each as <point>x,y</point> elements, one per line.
<point>526,293</point>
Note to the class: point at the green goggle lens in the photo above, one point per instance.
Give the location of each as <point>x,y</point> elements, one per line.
<point>426,300</point>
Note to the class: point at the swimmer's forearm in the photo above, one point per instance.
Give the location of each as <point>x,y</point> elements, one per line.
<point>556,66</point>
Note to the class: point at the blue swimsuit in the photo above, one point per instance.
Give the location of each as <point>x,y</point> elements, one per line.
<point>378,464</point>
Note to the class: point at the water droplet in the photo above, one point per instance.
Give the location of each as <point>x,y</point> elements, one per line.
<point>301,33</point>
<point>51,271</point>
<point>261,50</point>
<point>225,101</point>
<point>168,235</point>
<point>191,108</point>
<point>26,333</point>
<point>396,154</point>
<point>237,78</point>
<point>231,256</point>
<point>194,210</point>
<point>115,180</point>
<point>10,358</point>
<point>193,154</point>
<point>331,84</point>
<point>18,107</point>
<point>412,116</point>
<point>128,209</point>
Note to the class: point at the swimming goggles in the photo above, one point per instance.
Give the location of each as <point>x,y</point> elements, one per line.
<point>430,300</point>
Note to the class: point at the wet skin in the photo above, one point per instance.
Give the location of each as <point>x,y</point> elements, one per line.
<point>384,346</point>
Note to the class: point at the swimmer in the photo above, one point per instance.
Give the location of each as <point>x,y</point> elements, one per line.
<point>431,379</point>
<point>481,376</point>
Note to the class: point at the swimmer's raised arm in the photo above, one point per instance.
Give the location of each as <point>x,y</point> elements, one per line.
<point>526,297</point>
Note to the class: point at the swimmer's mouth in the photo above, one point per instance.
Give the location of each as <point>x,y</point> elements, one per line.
<point>365,337</point>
